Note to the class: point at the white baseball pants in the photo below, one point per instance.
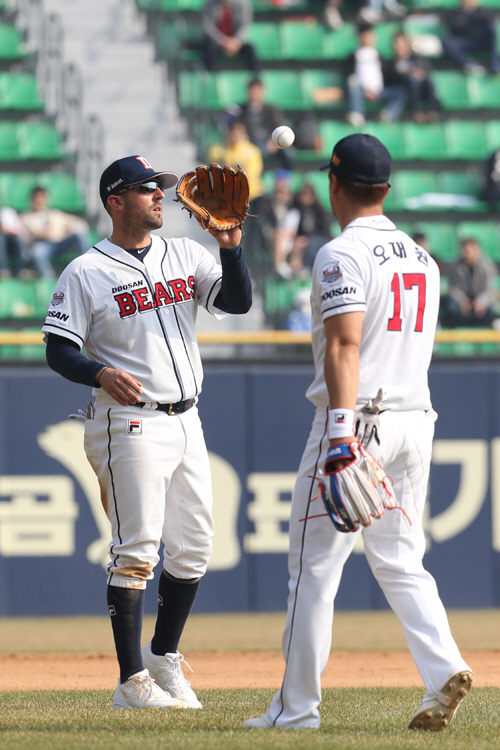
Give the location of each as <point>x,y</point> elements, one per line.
<point>394,551</point>
<point>155,481</point>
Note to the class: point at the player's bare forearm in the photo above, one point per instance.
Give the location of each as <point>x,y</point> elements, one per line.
<point>343,338</point>
<point>120,385</point>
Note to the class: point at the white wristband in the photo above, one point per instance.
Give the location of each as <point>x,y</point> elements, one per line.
<point>340,423</point>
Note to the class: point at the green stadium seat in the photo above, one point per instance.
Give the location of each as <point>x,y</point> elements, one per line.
<point>451,89</point>
<point>15,189</point>
<point>434,4</point>
<point>384,36</point>
<point>19,91</point>
<point>416,25</point>
<point>339,44</point>
<point>442,239</point>
<point>266,40</point>
<point>391,135</point>
<point>232,87</point>
<point>312,80</point>
<point>39,140</point>
<point>409,184</point>
<point>465,140</point>
<point>17,299</point>
<point>492,131</point>
<point>461,183</point>
<point>424,141</point>
<point>330,132</point>
<point>11,45</point>
<point>493,4</point>
<point>199,90</point>
<point>185,89</point>
<point>484,91</point>
<point>486,233</point>
<point>44,289</point>
<point>283,88</point>
<point>64,191</point>
<point>301,40</point>
<point>9,149</point>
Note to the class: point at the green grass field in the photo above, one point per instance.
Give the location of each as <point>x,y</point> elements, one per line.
<point>351,719</point>
<point>362,719</point>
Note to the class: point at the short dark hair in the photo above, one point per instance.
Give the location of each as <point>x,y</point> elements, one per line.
<point>362,193</point>
<point>364,26</point>
<point>254,82</point>
<point>419,236</point>
<point>38,189</point>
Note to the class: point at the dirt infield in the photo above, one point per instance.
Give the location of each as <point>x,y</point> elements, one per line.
<point>215,670</point>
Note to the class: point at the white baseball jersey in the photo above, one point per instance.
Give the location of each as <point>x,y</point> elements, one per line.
<point>374,268</point>
<point>139,316</point>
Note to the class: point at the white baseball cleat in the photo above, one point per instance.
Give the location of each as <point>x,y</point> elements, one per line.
<point>258,723</point>
<point>141,691</point>
<point>436,713</point>
<point>168,673</point>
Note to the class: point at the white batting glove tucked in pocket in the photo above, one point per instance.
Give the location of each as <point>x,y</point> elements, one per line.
<point>367,423</point>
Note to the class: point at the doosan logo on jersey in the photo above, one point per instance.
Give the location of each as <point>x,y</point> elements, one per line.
<point>338,292</point>
<point>130,285</point>
<point>59,315</point>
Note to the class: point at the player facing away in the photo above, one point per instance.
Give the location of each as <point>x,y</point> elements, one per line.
<point>375,297</point>
<point>131,303</point>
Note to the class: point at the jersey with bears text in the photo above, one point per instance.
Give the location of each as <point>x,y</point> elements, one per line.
<point>139,316</point>
<point>374,268</point>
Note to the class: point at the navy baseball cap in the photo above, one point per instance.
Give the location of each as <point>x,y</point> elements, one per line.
<point>131,170</point>
<point>361,158</point>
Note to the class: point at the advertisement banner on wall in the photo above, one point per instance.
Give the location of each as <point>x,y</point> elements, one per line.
<point>54,535</point>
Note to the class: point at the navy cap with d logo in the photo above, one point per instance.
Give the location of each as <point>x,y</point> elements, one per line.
<point>361,158</point>
<point>131,170</point>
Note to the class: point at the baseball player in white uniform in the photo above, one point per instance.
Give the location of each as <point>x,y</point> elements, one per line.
<point>131,303</point>
<point>375,298</point>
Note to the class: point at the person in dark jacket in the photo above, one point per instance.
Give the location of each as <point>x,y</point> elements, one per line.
<point>412,72</point>
<point>471,291</point>
<point>260,119</point>
<point>472,29</point>
<point>492,181</point>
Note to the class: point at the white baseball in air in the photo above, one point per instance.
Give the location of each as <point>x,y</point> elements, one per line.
<point>283,137</point>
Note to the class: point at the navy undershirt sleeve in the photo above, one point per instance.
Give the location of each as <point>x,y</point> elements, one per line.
<point>65,357</point>
<point>235,294</point>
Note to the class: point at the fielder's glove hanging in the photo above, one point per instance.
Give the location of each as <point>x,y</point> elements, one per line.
<point>367,424</point>
<point>218,197</point>
<point>357,492</point>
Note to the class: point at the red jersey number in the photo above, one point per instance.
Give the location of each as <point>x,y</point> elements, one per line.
<point>410,280</point>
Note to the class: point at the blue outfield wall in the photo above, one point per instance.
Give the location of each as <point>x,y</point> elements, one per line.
<point>54,536</point>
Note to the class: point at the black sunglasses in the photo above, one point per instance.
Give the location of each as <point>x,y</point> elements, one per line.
<point>144,187</point>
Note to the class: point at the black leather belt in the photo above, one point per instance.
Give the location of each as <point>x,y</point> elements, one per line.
<point>179,408</point>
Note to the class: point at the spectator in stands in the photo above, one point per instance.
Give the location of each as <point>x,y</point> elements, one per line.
<point>52,232</point>
<point>273,208</point>
<point>305,228</point>
<point>260,119</point>
<point>13,252</point>
<point>299,317</point>
<point>491,192</point>
<point>237,150</point>
<point>365,82</point>
<point>408,70</point>
<point>226,24</point>
<point>471,290</point>
<point>472,29</point>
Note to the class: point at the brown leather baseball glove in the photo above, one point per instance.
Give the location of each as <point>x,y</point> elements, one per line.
<point>217,196</point>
